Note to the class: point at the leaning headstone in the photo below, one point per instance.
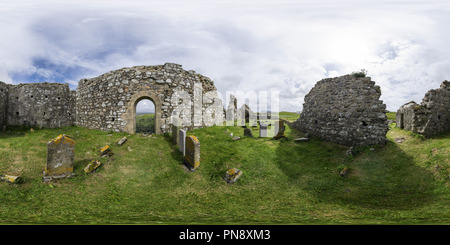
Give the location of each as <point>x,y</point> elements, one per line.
<point>60,156</point>
<point>182,141</point>
<point>262,130</point>
<point>192,152</point>
<point>11,179</point>
<point>93,166</point>
<point>104,150</point>
<point>232,175</point>
<point>122,141</point>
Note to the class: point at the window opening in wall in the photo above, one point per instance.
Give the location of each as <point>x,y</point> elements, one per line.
<point>145,117</point>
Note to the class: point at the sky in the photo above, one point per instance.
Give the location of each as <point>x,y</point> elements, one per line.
<point>243,45</point>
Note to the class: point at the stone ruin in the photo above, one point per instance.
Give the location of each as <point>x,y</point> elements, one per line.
<point>108,102</point>
<point>431,116</point>
<point>345,110</point>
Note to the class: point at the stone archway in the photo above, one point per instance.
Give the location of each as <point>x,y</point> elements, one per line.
<point>129,117</point>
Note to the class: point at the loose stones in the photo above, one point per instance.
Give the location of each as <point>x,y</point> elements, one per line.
<point>192,152</point>
<point>122,141</point>
<point>60,156</point>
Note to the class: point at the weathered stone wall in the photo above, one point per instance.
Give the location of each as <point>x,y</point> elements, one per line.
<point>431,116</point>
<point>345,110</point>
<point>4,88</point>
<point>48,105</point>
<point>108,102</point>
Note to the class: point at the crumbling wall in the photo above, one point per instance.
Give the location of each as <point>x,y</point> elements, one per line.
<point>431,116</point>
<point>4,88</point>
<point>345,110</point>
<point>40,104</point>
<point>108,102</point>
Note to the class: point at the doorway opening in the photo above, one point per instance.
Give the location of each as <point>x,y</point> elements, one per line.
<point>145,117</point>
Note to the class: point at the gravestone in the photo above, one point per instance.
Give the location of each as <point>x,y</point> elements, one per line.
<point>60,156</point>
<point>93,166</point>
<point>192,152</point>
<point>182,141</point>
<point>262,129</point>
<point>248,132</point>
<point>175,131</point>
<point>122,141</point>
<point>232,175</point>
<point>279,129</point>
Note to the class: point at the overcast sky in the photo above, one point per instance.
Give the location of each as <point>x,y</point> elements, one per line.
<point>244,45</point>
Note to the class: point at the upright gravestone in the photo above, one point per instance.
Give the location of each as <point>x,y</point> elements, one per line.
<point>248,132</point>
<point>192,152</point>
<point>182,141</point>
<point>60,156</point>
<point>262,129</point>
<point>279,129</point>
<point>175,130</point>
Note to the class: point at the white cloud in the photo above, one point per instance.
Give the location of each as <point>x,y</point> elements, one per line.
<point>241,45</point>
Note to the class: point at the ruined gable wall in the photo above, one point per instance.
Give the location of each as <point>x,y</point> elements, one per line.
<point>40,104</point>
<point>106,102</point>
<point>345,110</point>
<point>431,116</point>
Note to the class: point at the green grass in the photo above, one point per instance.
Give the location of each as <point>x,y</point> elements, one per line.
<point>289,116</point>
<point>145,123</point>
<point>283,182</point>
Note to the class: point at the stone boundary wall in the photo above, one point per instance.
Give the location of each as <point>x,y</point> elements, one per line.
<point>431,116</point>
<point>345,110</point>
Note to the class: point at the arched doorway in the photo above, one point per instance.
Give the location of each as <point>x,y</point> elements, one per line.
<point>129,117</point>
<point>145,117</point>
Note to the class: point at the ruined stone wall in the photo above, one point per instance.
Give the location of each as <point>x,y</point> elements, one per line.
<point>431,116</point>
<point>345,110</point>
<point>108,102</point>
<point>4,88</point>
<point>48,105</point>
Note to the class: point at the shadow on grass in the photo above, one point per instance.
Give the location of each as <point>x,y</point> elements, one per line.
<point>382,178</point>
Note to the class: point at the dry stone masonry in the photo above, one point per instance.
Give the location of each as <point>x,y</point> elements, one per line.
<point>431,116</point>
<point>108,102</point>
<point>345,110</point>
<point>48,105</point>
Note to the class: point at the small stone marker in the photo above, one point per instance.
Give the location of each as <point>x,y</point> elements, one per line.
<point>93,166</point>
<point>60,156</point>
<point>279,129</point>
<point>248,132</point>
<point>11,179</point>
<point>182,141</point>
<point>192,152</point>
<point>280,133</point>
<point>232,175</point>
<point>236,138</point>
<point>122,141</point>
<point>104,150</point>
<point>262,130</point>
<point>344,172</point>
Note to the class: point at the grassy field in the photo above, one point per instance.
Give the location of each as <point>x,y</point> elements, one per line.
<point>145,123</point>
<point>283,182</point>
